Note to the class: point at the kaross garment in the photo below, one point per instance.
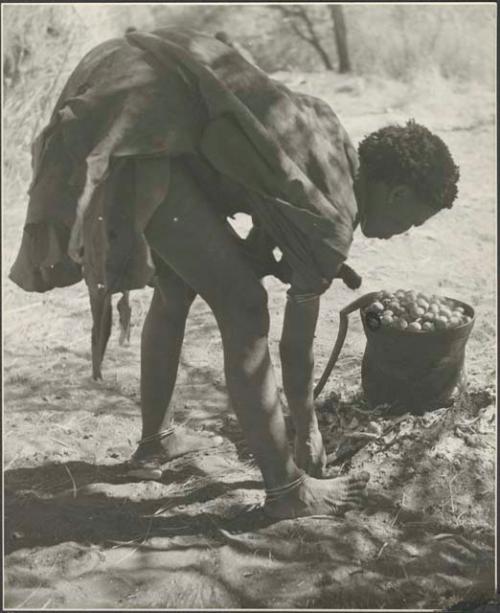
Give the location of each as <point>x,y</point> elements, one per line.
<point>101,166</point>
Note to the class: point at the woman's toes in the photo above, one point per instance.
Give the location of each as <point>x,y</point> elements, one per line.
<point>356,496</point>
<point>359,480</point>
<point>352,504</point>
<point>357,488</point>
<point>346,505</point>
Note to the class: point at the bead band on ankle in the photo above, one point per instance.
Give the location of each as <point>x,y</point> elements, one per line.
<point>278,492</point>
<point>158,436</point>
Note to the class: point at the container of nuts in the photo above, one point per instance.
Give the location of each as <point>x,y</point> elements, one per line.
<point>415,349</point>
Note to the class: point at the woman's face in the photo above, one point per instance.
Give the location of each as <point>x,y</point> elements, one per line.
<point>386,211</point>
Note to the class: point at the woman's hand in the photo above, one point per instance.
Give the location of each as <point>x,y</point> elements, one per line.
<point>310,451</point>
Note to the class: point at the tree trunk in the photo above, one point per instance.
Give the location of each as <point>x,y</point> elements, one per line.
<point>339,27</point>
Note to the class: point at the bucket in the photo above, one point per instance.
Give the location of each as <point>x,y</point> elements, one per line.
<point>411,371</point>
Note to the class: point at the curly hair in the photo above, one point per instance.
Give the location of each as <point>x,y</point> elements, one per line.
<point>414,156</point>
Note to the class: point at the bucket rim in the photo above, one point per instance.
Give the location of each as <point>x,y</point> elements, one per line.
<point>469,310</point>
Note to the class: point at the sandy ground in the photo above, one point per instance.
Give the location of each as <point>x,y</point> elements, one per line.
<point>79,535</point>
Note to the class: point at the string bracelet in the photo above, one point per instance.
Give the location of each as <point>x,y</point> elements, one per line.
<point>302,298</point>
<point>279,492</point>
<point>158,436</point>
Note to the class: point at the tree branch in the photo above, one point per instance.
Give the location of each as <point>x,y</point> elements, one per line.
<point>313,39</point>
<point>299,32</point>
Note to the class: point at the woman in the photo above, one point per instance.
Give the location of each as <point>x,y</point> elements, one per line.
<point>198,134</point>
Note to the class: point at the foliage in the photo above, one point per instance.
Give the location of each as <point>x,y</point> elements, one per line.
<point>413,44</point>
<point>397,41</point>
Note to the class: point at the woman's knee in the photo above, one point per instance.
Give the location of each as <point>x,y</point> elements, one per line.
<point>176,305</point>
<point>170,307</point>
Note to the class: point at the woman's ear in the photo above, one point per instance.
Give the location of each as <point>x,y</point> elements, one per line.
<point>399,195</point>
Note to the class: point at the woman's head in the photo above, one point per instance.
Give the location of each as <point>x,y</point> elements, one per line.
<point>406,176</point>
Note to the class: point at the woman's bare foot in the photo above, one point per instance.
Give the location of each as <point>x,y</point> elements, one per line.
<point>149,459</point>
<point>320,497</point>
<point>310,452</point>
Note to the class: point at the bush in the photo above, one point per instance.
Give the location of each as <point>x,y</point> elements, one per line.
<point>43,43</point>
<point>397,41</point>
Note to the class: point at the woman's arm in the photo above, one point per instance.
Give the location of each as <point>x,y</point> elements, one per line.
<point>296,349</point>
<point>297,361</point>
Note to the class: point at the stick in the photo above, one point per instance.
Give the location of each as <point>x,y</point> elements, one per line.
<point>30,596</point>
<point>381,550</point>
<point>72,481</point>
<point>56,440</point>
<point>332,458</point>
<point>369,436</point>
<point>23,308</point>
<point>439,537</point>
<point>451,498</point>
<point>35,591</point>
<point>396,517</point>
<point>130,553</point>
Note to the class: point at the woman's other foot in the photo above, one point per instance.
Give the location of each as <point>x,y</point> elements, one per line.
<point>149,459</point>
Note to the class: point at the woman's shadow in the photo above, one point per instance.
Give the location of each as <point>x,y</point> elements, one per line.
<point>60,502</point>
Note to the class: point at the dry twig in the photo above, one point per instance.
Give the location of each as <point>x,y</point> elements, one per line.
<point>381,550</point>
<point>451,498</point>
<point>298,12</point>
<point>72,481</point>
<point>144,539</point>
<point>23,308</point>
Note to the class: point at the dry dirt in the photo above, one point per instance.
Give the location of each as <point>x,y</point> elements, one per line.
<point>79,535</point>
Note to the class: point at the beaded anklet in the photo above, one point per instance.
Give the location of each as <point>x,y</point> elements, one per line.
<point>279,492</point>
<point>158,436</point>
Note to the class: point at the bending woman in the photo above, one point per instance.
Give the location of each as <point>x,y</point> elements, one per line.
<point>155,141</point>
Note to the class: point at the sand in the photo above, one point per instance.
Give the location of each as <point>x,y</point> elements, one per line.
<point>78,534</point>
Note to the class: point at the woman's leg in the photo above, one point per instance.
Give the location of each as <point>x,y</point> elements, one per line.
<point>187,234</point>
<point>161,343</point>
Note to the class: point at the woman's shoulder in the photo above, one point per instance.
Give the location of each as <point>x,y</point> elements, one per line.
<point>329,120</point>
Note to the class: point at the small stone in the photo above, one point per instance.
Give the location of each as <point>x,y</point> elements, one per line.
<point>389,438</point>
<point>374,427</point>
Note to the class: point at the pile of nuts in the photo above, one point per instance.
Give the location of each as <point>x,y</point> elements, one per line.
<point>415,311</point>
